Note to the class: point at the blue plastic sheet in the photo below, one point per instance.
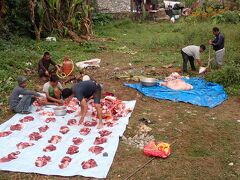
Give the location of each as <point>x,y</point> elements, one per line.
<point>203,93</point>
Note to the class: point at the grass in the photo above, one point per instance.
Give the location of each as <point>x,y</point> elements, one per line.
<point>209,138</point>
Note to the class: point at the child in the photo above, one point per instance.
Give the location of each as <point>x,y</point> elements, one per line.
<point>53,90</point>
<point>21,99</point>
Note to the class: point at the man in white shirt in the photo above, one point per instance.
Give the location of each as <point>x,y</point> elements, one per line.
<point>189,53</point>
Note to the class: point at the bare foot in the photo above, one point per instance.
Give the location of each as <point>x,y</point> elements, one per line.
<point>100,125</point>
<point>80,122</point>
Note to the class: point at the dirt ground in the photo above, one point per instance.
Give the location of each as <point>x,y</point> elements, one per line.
<point>204,140</point>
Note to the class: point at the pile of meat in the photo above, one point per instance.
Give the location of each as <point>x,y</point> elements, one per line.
<point>112,108</point>
<point>175,82</point>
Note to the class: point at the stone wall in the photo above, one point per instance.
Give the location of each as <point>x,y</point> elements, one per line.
<point>114,6</point>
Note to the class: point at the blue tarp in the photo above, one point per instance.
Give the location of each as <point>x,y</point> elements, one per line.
<point>203,93</point>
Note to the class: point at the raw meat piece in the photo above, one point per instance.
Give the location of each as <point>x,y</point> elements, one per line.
<point>43,129</point>
<point>91,163</point>
<point>64,129</point>
<point>177,84</point>
<point>5,133</point>
<point>35,136</point>
<point>55,139</point>
<point>109,124</point>
<point>73,104</point>
<point>104,133</point>
<point>23,145</point>
<point>96,149</point>
<point>10,157</point>
<point>27,119</point>
<point>65,162</point>
<point>100,140</point>
<point>50,119</point>
<point>16,127</point>
<point>77,141</point>
<point>70,111</point>
<point>72,122</point>
<point>84,131</point>
<point>72,150</point>
<point>49,148</point>
<point>42,161</point>
<point>46,113</point>
<point>90,123</point>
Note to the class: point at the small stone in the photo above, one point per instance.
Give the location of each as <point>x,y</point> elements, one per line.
<point>119,175</point>
<point>238,121</point>
<point>181,123</point>
<point>105,154</point>
<point>230,164</point>
<point>124,138</point>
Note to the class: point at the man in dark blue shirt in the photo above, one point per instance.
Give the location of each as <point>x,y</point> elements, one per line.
<point>83,91</point>
<point>218,46</point>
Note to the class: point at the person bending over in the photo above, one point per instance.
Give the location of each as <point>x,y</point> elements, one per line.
<point>189,53</point>
<point>83,91</point>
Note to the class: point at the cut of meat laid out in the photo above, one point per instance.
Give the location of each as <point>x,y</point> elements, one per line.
<point>65,162</point>
<point>48,120</point>
<point>96,149</point>
<point>23,145</point>
<point>70,111</point>
<point>42,161</point>
<point>55,139</point>
<point>104,133</point>
<point>16,127</point>
<point>64,129</point>
<point>100,140</point>
<point>72,150</point>
<point>72,122</point>
<point>50,148</point>
<point>84,131</point>
<point>90,123</point>
<point>91,163</point>
<point>35,136</point>
<point>10,157</point>
<point>27,119</point>
<point>58,145</point>
<point>43,129</point>
<point>5,133</point>
<point>77,141</point>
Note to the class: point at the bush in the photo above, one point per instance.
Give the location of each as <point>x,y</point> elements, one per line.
<point>17,18</point>
<point>102,19</point>
<point>231,17</point>
<point>229,77</point>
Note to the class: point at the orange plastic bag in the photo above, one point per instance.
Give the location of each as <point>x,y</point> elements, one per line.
<point>159,150</point>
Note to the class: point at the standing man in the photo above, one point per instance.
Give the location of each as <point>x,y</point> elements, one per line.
<point>44,69</point>
<point>189,53</point>
<point>83,91</point>
<point>218,46</point>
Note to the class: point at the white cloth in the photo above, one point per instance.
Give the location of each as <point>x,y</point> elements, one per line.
<point>89,63</point>
<point>26,159</point>
<point>47,85</point>
<point>193,51</point>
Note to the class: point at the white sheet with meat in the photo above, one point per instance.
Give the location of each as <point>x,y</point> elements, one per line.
<point>56,153</point>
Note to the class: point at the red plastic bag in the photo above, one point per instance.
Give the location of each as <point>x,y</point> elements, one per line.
<point>159,150</point>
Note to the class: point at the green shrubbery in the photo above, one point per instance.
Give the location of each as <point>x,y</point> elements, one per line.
<point>230,17</point>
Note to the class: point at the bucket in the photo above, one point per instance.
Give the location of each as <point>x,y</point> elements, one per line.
<point>202,70</point>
